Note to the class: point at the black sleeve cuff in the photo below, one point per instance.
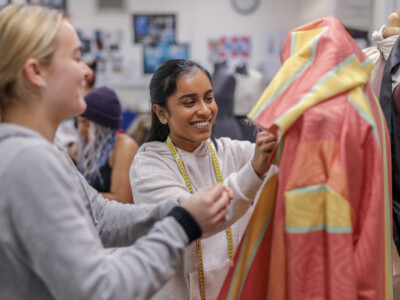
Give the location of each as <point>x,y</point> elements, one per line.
<point>188,223</point>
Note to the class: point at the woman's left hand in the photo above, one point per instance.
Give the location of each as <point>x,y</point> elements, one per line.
<point>265,143</point>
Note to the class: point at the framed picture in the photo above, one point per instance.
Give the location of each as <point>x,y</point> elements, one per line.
<point>154,28</point>
<point>4,2</point>
<point>56,4</point>
<point>156,55</point>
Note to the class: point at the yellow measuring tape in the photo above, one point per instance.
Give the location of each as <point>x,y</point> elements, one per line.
<point>189,186</point>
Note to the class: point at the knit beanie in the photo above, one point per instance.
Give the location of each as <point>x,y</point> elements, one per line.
<point>103,107</point>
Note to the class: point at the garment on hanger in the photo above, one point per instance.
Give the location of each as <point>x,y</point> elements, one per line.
<point>321,228</point>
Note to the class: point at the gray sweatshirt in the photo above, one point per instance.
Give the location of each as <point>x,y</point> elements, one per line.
<point>155,176</point>
<point>54,229</point>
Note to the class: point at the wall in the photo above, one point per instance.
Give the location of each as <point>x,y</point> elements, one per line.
<point>197,21</point>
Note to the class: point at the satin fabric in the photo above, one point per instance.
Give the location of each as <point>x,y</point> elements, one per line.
<point>321,228</point>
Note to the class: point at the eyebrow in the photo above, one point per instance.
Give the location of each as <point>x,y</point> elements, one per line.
<point>192,95</point>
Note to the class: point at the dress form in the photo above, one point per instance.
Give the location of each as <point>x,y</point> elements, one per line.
<point>393,27</point>
<point>224,87</point>
<point>384,40</point>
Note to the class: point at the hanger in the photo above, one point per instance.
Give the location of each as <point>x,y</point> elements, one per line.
<point>393,27</point>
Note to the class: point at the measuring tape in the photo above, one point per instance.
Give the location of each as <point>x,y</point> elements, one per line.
<point>189,186</point>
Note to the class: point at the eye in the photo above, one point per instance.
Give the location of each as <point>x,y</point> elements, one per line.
<point>209,98</point>
<point>188,102</point>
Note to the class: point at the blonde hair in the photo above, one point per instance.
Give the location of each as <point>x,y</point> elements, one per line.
<point>26,31</point>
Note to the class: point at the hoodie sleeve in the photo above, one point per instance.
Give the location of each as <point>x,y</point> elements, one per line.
<point>242,179</point>
<point>61,246</point>
<point>118,224</point>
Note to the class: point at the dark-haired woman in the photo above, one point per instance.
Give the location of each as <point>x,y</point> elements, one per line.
<point>103,155</point>
<point>181,158</point>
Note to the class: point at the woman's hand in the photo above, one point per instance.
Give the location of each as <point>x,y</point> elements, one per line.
<point>210,207</point>
<point>265,143</point>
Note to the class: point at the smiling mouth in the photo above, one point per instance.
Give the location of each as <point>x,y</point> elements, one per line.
<point>201,124</point>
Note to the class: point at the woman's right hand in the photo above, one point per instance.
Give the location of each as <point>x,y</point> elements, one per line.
<point>210,207</point>
<point>265,143</point>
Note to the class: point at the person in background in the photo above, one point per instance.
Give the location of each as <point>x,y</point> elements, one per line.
<point>181,158</point>
<point>54,227</point>
<point>103,155</point>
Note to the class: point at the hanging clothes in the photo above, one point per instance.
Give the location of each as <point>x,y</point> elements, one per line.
<point>321,228</point>
<point>389,110</point>
<point>379,55</point>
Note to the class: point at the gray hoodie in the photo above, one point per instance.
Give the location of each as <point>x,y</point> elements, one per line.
<point>155,176</point>
<point>54,228</point>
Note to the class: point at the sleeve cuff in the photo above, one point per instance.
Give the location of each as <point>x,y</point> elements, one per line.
<point>187,222</point>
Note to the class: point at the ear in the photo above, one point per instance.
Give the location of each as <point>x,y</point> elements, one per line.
<point>34,73</point>
<point>161,113</point>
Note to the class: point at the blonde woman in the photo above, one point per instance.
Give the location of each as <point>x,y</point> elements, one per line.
<point>53,225</point>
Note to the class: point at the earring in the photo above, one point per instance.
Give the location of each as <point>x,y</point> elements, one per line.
<point>164,121</point>
<point>43,85</point>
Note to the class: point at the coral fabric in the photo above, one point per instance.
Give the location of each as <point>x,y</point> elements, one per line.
<point>321,228</point>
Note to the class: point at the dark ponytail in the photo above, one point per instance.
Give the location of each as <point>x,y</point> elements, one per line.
<point>162,86</point>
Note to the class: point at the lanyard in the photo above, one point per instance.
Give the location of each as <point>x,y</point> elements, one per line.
<point>189,186</point>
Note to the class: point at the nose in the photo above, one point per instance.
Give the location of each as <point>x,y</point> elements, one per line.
<point>203,109</point>
<point>87,72</point>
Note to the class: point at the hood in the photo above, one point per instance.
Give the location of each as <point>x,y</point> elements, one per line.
<point>162,148</point>
<point>8,130</point>
<point>319,60</point>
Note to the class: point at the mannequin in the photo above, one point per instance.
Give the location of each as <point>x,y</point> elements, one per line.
<point>249,88</point>
<point>393,27</point>
<point>224,84</point>
<point>384,40</point>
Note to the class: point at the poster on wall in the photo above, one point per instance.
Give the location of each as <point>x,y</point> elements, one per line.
<point>155,55</point>
<point>104,49</point>
<point>154,28</point>
<point>229,48</point>
<point>56,4</point>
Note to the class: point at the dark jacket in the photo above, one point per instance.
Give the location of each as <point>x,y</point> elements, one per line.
<point>389,111</point>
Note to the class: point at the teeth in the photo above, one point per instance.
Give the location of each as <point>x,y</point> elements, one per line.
<point>201,124</point>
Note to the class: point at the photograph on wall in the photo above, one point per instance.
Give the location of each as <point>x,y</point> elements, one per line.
<point>56,4</point>
<point>103,48</point>
<point>154,56</point>
<point>154,28</point>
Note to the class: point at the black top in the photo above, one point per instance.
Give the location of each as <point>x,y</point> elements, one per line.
<point>102,181</point>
